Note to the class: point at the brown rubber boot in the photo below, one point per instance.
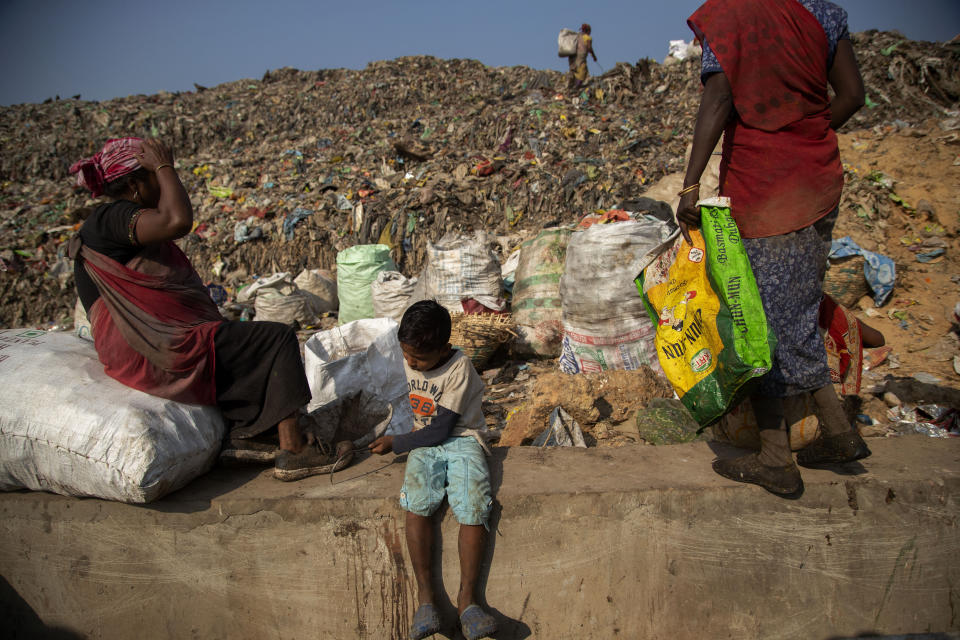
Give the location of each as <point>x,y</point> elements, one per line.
<point>837,442</point>
<point>834,449</point>
<point>784,481</point>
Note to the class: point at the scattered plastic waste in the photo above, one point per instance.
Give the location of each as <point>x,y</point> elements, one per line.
<point>873,358</point>
<point>220,192</point>
<point>563,431</point>
<point>935,421</point>
<point>930,256</point>
<point>879,270</point>
<point>218,294</point>
<point>292,219</point>
<point>926,378</point>
<point>400,137</point>
<point>245,230</point>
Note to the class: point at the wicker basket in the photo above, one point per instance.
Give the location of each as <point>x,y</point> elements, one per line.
<point>479,335</point>
<point>845,281</point>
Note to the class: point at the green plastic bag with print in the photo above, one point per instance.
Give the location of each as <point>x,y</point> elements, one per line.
<point>712,336</point>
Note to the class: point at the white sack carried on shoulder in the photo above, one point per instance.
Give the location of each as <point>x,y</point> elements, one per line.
<point>391,293</point>
<point>357,357</point>
<point>463,267</point>
<point>66,427</point>
<point>567,43</point>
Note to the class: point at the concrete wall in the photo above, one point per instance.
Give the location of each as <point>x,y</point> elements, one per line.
<point>641,542</point>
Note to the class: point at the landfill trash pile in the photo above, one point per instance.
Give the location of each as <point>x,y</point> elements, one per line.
<point>289,170</point>
<point>905,79</point>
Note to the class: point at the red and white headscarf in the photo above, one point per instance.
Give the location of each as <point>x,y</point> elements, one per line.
<point>117,158</point>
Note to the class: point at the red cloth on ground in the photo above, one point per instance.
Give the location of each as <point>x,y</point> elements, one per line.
<point>844,344</point>
<point>154,324</point>
<point>781,164</point>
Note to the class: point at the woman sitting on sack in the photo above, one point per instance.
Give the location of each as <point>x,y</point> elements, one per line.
<point>154,325</point>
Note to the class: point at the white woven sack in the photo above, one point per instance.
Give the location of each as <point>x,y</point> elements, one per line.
<point>391,293</point>
<point>463,267</point>
<point>289,309</point>
<point>277,298</point>
<point>274,281</point>
<point>605,322</point>
<point>567,42</point>
<point>320,288</point>
<point>66,427</point>
<point>360,356</point>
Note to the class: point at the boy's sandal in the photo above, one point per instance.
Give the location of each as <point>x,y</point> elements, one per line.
<point>477,623</point>
<point>426,622</point>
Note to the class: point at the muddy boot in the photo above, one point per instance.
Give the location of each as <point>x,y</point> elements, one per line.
<point>311,461</point>
<point>772,468</point>
<point>837,442</point>
<point>784,481</point>
<point>834,449</point>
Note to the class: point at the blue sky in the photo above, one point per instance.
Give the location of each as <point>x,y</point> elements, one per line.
<point>105,48</point>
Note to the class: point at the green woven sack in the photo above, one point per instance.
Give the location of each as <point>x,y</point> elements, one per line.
<point>357,268</point>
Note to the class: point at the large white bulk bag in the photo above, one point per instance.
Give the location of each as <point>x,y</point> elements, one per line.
<point>567,42</point>
<point>605,322</point>
<point>66,427</point>
<point>360,357</point>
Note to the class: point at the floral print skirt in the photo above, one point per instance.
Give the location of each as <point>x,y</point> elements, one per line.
<point>789,269</point>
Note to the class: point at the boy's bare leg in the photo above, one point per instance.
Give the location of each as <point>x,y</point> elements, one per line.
<point>290,437</point>
<point>419,531</point>
<point>471,547</point>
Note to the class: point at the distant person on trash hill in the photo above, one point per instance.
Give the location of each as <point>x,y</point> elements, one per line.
<point>766,68</point>
<point>154,325</point>
<point>577,77</point>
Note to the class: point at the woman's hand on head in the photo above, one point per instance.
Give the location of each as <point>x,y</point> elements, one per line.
<point>170,214</point>
<point>154,153</point>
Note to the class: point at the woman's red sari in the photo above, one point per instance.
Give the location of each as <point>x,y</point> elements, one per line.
<point>781,165</point>
<point>154,323</point>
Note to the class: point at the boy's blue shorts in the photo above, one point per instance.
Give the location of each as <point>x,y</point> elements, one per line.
<point>456,468</point>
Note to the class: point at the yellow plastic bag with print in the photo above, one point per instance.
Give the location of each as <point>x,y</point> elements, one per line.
<point>712,336</point>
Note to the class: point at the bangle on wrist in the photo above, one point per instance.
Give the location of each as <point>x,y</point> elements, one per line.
<point>686,190</point>
<point>165,164</point>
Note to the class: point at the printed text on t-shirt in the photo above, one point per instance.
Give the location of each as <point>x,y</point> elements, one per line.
<point>421,406</point>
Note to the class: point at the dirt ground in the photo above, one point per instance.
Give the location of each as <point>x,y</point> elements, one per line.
<point>918,322</point>
<point>599,402</point>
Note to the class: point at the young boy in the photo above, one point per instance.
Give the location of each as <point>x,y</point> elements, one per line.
<point>447,448</point>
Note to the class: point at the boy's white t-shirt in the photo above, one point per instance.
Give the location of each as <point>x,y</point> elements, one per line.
<point>456,386</point>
